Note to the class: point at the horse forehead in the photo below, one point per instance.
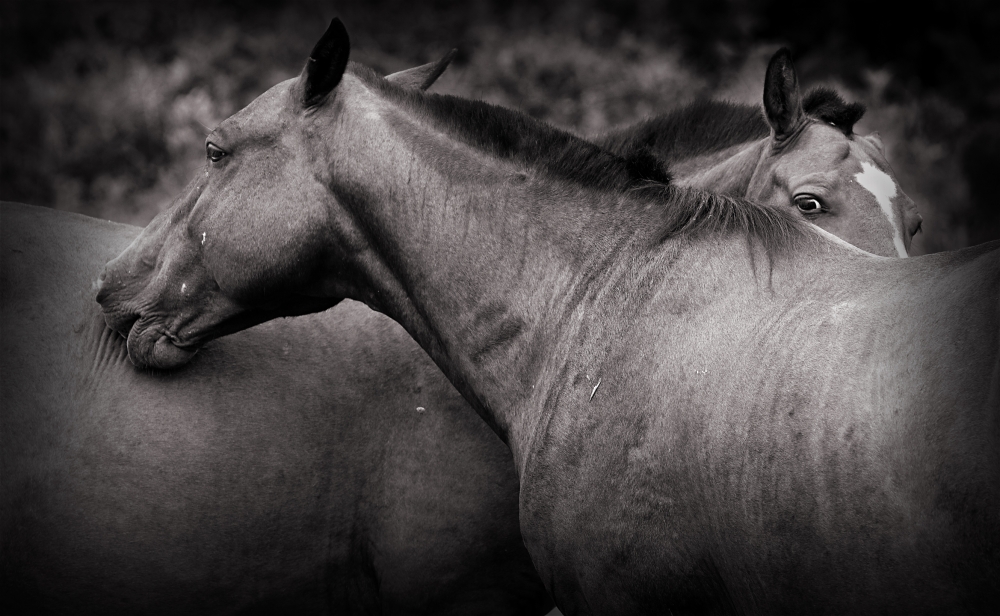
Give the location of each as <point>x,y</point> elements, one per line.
<point>864,151</point>
<point>823,144</point>
<point>815,164</point>
<point>819,149</point>
<point>263,111</point>
<point>877,182</point>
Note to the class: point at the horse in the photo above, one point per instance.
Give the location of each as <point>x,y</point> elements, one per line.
<point>129,492</point>
<point>711,407</point>
<point>281,474</point>
<point>313,465</point>
<point>799,153</point>
<point>123,580</point>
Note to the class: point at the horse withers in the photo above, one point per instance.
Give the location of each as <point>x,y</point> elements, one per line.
<point>799,152</point>
<point>712,407</point>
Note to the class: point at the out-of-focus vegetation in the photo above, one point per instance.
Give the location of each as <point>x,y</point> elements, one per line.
<point>105,104</point>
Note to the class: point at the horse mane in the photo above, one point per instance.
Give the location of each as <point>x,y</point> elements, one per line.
<point>693,213</point>
<point>512,135</point>
<point>707,126</point>
<point>637,176</point>
<point>702,127</point>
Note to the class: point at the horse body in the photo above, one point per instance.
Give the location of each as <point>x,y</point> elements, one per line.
<point>279,472</point>
<point>759,454</point>
<point>711,408</point>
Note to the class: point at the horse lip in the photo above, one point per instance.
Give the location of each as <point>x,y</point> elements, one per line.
<point>174,339</point>
<point>189,346</point>
<point>121,323</point>
<point>150,347</point>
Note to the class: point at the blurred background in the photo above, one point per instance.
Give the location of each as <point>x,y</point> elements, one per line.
<point>105,105</point>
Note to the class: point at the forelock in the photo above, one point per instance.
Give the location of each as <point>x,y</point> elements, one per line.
<point>826,105</point>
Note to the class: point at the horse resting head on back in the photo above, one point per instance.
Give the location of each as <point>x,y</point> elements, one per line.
<point>712,407</point>
<point>800,153</point>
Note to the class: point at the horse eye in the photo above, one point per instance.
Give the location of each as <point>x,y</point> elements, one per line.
<point>214,152</point>
<point>809,205</point>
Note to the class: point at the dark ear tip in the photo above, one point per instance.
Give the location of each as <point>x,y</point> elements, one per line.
<point>326,63</point>
<point>337,28</point>
<point>783,55</point>
<point>335,31</point>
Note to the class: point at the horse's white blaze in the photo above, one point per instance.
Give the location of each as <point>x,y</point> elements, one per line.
<point>183,286</point>
<point>203,234</point>
<point>878,183</point>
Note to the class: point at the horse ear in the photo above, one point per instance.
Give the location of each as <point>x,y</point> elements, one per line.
<point>782,99</point>
<point>326,63</point>
<point>422,76</point>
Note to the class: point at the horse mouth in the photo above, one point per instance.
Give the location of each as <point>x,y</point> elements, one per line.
<point>163,354</point>
<point>149,346</point>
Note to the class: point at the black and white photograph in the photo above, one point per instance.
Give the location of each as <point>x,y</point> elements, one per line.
<point>319,307</point>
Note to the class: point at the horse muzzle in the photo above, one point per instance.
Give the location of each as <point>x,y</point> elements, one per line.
<point>149,347</point>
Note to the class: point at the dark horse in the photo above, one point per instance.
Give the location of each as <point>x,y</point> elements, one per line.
<point>401,380</point>
<point>319,465</point>
<point>711,406</point>
<point>799,152</point>
<point>316,465</point>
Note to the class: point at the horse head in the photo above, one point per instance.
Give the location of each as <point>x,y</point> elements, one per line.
<point>801,155</point>
<point>232,250</point>
<point>835,178</point>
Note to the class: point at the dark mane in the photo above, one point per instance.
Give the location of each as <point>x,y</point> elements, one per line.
<point>826,105</point>
<point>707,126</point>
<point>702,127</point>
<point>689,212</point>
<point>636,178</point>
<point>512,135</point>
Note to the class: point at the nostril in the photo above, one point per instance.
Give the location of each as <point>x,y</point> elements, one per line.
<point>105,285</point>
<point>102,290</point>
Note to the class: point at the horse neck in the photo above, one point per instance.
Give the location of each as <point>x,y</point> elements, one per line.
<point>487,263</point>
<point>710,145</point>
<point>728,171</point>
